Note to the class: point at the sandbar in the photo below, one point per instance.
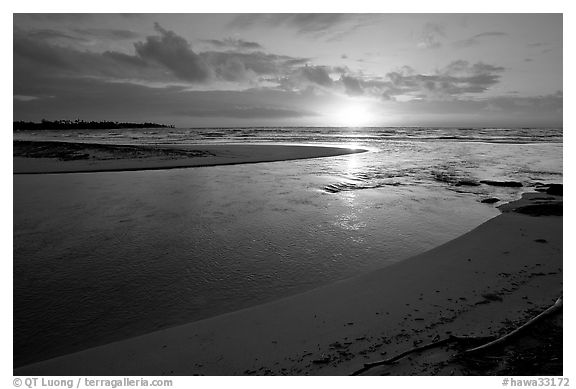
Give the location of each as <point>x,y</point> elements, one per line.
<point>42,157</point>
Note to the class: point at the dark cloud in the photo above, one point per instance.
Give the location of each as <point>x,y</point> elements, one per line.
<point>33,56</point>
<point>49,35</point>
<point>317,74</point>
<point>43,54</point>
<point>238,66</point>
<point>168,58</point>
<point>340,69</point>
<point>103,33</point>
<point>165,57</point>
<point>175,53</point>
<point>129,60</point>
<point>352,86</point>
<point>231,43</point>
<point>301,78</point>
<point>458,78</point>
<point>476,39</point>
<point>290,61</point>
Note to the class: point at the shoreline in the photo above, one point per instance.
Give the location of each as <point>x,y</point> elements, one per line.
<point>475,285</point>
<point>55,157</point>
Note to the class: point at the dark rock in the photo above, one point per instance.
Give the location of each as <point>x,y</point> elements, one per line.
<point>555,189</point>
<point>509,184</point>
<point>492,297</point>
<point>467,183</point>
<point>443,177</point>
<point>321,361</point>
<point>554,209</point>
<point>337,345</point>
<point>490,200</point>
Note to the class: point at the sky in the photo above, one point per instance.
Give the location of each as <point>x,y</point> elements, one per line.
<point>221,70</point>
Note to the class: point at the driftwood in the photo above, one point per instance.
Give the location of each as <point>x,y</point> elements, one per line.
<point>390,361</point>
<point>554,308</point>
<point>452,338</point>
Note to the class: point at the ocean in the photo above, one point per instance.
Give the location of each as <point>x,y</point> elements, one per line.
<point>100,257</point>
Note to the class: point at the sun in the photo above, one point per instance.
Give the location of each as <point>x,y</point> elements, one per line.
<point>353,115</point>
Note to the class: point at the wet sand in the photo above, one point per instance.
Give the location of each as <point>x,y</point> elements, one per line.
<point>40,157</point>
<point>483,283</point>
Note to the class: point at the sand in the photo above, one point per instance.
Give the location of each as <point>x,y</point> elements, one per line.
<point>485,282</point>
<point>37,157</point>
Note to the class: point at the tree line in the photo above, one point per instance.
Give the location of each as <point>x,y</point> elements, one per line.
<point>82,125</point>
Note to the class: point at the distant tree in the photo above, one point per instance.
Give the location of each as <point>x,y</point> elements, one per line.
<point>82,125</point>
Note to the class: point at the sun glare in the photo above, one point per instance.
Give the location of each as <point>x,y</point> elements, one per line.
<point>353,115</point>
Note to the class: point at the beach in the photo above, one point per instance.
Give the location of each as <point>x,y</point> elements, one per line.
<point>484,283</point>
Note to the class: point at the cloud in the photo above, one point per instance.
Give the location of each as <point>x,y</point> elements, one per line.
<point>164,57</point>
<point>331,25</point>
<point>231,43</point>
<point>458,78</point>
<point>49,35</point>
<point>476,39</point>
<point>303,23</point>
<point>544,103</point>
<point>239,66</point>
<point>175,53</point>
<point>41,53</point>
<point>431,36</point>
<point>105,33</point>
<point>313,23</point>
<point>33,56</point>
<point>168,59</point>
<point>317,74</point>
<point>25,98</point>
<point>308,77</point>
<point>352,86</point>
